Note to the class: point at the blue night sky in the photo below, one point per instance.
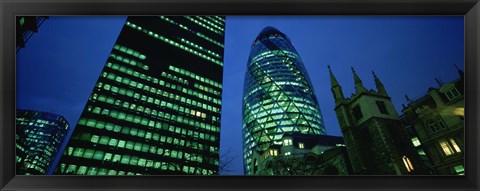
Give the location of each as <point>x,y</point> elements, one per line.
<point>58,68</point>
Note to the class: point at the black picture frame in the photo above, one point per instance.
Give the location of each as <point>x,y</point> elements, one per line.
<point>9,8</point>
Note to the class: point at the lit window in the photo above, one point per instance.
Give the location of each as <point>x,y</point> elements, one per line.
<point>95,138</point>
<point>71,168</point>
<point>273,152</point>
<point>408,164</point>
<point>116,158</point>
<point>78,152</point>
<point>113,142</point>
<point>107,157</point>
<point>287,142</point>
<point>301,145</point>
<point>455,146</point>
<point>104,140</point>
<point>121,143</point>
<point>421,152</point>
<point>459,170</point>
<point>98,155</point>
<point>88,153</point>
<point>447,149</point>
<point>125,159</point>
<point>129,145</point>
<point>416,142</point>
<point>134,160</point>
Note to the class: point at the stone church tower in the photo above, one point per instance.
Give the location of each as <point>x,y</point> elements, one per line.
<point>376,142</point>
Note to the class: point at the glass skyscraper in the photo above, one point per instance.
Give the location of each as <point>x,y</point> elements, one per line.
<point>39,136</point>
<point>155,108</point>
<point>278,97</point>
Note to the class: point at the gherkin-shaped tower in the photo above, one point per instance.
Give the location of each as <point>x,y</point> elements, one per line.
<point>278,97</point>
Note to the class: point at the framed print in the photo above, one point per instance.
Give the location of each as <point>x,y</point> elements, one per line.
<point>239,95</point>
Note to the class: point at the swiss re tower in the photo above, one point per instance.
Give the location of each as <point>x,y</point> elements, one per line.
<point>278,97</point>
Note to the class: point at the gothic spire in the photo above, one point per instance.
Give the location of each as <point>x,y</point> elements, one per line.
<point>335,86</point>
<point>333,80</point>
<point>408,98</point>
<point>379,84</point>
<point>439,82</point>
<point>460,72</point>
<point>358,83</point>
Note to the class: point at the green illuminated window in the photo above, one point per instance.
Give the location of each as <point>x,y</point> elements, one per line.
<point>95,139</point>
<point>82,170</point>
<point>136,96</point>
<point>134,160</point>
<point>129,145</point>
<point>156,137</point>
<point>112,172</point>
<point>121,143</point>
<point>71,168</point>
<point>113,142</point>
<point>138,146</point>
<point>98,155</point>
<point>152,149</point>
<point>125,159</point>
<point>133,131</point>
<point>69,151</point>
<point>145,148</point>
<point>109,126</point>
<point>160,151</point>
<point>141,133</point>
<point>96,110</point>
<point>104,140</point>
<point>78,152</point>
<point>116,158</point>
<point>91,122</point>
<point>129,117</point>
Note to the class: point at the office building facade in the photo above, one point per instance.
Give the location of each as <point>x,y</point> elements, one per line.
<point>437,119</point>
<point>39,136</point>
<point>278,97</point>
<point>155,109</point>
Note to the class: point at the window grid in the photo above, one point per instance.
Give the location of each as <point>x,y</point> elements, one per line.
<point>174,43</point>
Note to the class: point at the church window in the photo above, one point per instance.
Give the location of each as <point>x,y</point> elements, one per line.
<point>357,112</point>
<point>382,107</point>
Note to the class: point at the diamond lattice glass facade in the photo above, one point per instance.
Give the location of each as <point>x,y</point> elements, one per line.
<point>278,97</point>
<point>155,108</point>
<point>39,136</point>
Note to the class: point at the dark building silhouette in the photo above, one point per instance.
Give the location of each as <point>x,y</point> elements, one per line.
<point>278,97</point>
<point>375,139</point>
<point>437,120</point>
<point>26,26</point>
<point>39,136</point>
<point>304,154</point>
<point>155,108</point>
